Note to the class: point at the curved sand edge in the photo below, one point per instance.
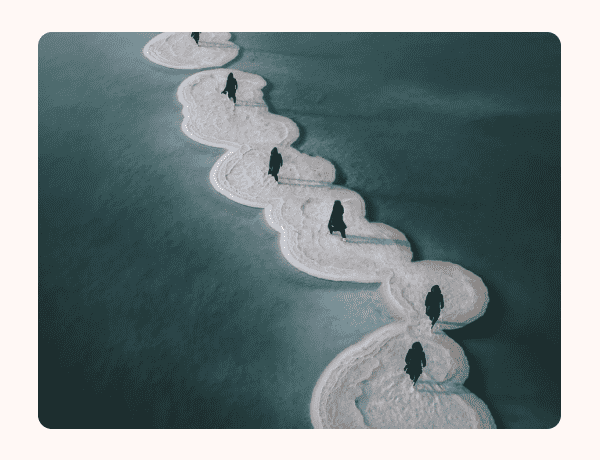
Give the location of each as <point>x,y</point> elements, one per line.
<point>342,411</point>
<point>387,263</point>
<point>401,306</point>
<point>216,52</point>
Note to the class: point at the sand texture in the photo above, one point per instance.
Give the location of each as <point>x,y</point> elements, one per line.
<point>178,50</point>
<point>365,386</point>
<point>465,295</point>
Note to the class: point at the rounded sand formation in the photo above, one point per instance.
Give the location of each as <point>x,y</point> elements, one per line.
<point>178,50</point>
<point>211,118</point>
<point>365,385</point>
<point>465,295</point>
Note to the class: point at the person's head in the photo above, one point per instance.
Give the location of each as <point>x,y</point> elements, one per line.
<point>230,76</point>
<point>274,151</point>
<point>417,346</point>
<point>337,203</point>
<point>436,289</point>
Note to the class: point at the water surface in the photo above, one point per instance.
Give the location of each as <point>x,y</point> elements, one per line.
<point>163,304</point>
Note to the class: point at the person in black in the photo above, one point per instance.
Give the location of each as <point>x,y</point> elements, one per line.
<point>336,221</point>
<point>434,302</point>
<point>414,359</point>
<point>275,163</point>
<point>196,37</point>
<point>230,87</point>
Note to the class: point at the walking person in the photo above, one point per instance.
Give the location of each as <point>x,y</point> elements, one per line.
<point>336,221</point>
<point>434,302</point>
<point>415,361</point>
<point>275,163</point>
<point>230,87</point>
<point>196,37</point>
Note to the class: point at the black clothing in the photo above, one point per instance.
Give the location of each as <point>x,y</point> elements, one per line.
<point>230,87</point>
<point>434,302</point>
<point>415,358</point>
<point>336,221</point>
<point>275,163</point>
<point>196,37</point>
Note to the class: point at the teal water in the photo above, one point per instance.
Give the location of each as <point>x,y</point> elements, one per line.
<point>163,304</point>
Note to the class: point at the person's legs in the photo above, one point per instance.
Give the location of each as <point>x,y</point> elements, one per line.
<point>343,232</point>
<point>416,378</point>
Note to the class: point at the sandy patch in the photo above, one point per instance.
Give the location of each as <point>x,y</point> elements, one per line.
<point>178,50</point>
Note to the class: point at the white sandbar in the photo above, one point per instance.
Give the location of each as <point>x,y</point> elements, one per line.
<point>178,50</point>
<point>365,386</point>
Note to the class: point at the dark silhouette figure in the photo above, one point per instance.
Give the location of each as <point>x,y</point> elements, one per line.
<point>196,37</point>
<point>230,87</point>
<point>414,359</point>
<point>434,302</point>
<point>275,163</point>
<point>336,221</point>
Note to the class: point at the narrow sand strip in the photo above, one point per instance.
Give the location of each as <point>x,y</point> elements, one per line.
<point>365,385</point>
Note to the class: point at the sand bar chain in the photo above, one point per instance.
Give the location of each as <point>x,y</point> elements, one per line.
<point>364,386</point>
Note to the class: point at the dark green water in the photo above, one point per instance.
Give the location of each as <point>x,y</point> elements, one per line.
<point>163,304</point>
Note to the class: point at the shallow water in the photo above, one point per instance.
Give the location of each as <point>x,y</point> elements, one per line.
<point>163,304</point>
